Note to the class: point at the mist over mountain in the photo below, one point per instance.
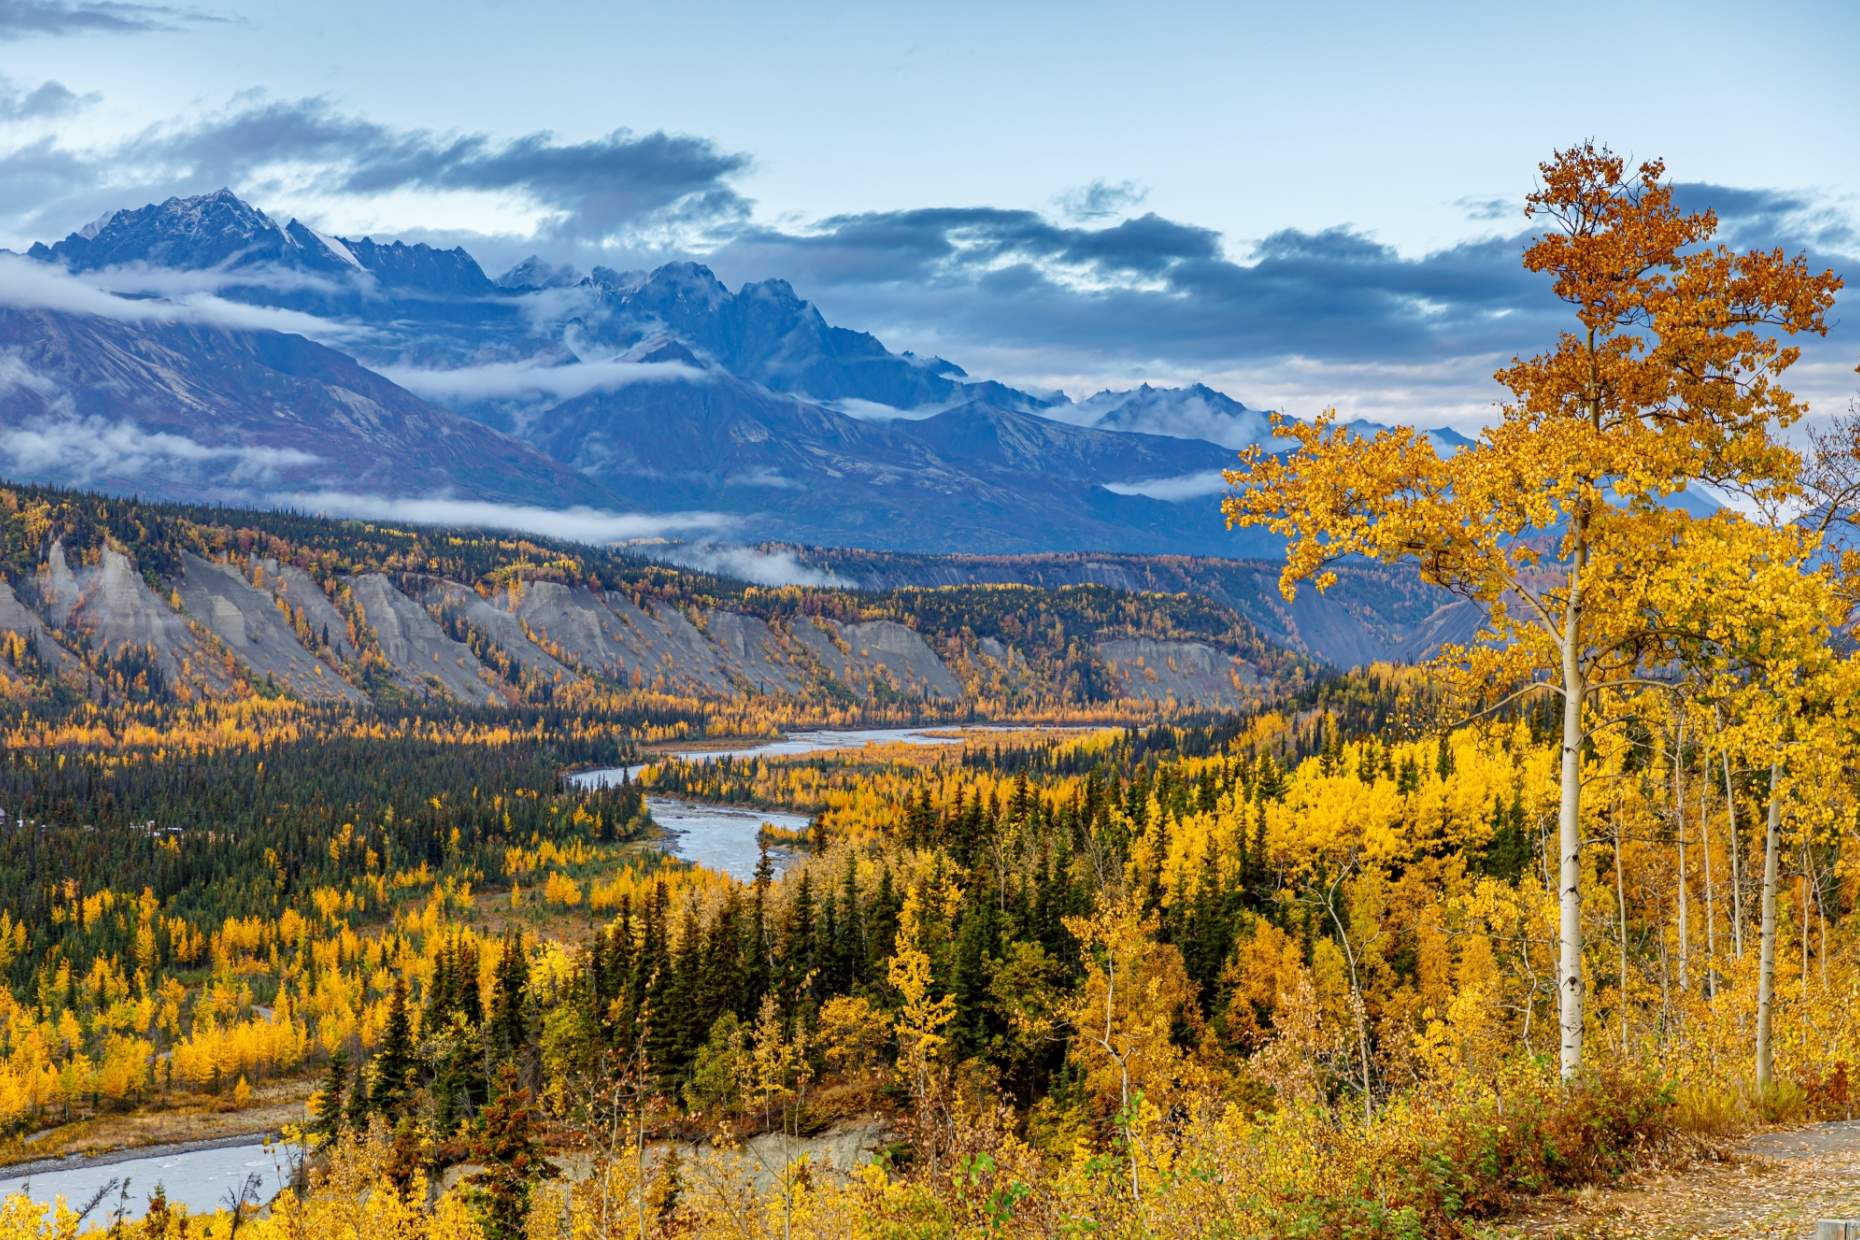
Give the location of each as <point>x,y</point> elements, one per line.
<point>658,392</point>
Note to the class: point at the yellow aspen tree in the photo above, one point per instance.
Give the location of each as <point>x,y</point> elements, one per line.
<point>1551,520</point>
<point>1757,609</point>
<point>922,1016</point>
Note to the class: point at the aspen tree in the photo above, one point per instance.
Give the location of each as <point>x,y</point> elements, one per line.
<point>1552,519</point>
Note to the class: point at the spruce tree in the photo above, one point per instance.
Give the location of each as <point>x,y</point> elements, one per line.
<point>507,1145</point>
<point>331,1097</point>
<point>395,1063</point>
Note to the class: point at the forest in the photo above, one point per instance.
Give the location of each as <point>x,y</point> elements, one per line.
<point>1381,953</point>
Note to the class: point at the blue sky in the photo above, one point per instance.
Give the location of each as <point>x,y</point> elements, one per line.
<point>1304,205</point>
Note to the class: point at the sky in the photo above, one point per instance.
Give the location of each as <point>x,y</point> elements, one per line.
<point>1304,205</point>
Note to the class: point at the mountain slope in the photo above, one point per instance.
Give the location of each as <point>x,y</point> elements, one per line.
<point>119,600</point>
<point>184,410</point>
<point>1193,412</point>
<point>657,392</point>
<point>1372,614</point>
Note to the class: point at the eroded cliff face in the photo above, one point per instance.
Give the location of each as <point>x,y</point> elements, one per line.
<point>258,632</point>
<point>425,659</point>
<point>103,605</point>
<point>241,624</point>
<point>1188,672</point>
<point>717,651</point>
<point>17,618</point>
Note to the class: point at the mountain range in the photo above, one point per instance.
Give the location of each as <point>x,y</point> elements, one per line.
<point>195,349</point>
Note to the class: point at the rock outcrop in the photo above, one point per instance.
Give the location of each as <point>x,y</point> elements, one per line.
<point>116,613</point>
<point>424,658</point>
<point>249,622</point>
<point>252,624</point>
<point>1189,672</point>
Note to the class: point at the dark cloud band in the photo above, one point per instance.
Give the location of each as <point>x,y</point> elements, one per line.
<point>591,189</point>
<point>24,19</point>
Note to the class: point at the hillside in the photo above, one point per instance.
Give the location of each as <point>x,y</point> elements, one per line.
<point>1371,615</point>
<point>187,409</point>
<point>121,601</point>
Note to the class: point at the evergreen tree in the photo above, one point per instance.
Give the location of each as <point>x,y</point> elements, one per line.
<point>331,1097</point>
<point>395,1063</point>
<point>507,1033</point>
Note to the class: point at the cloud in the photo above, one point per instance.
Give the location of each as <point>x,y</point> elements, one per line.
<point>21,19</point>
<point>1101,199</point>
<point>1489,208</point>
<point>751,564</point>
<point>1766,216</point>
<point>29,285</point>
<point>176,284</point>
<point>1148,290</point>
<point>621,184</point>
<point>1299,319</point>
<point>577,524</point>
<point>1173,490</point>
<point>500,380</point>
<point>765,478</point>
<point>42,102</point>
<point>1085,296</point>
<point>1190,413</point>
<point>875,411</point>
<point>17,376</point>
<point>76,451</point>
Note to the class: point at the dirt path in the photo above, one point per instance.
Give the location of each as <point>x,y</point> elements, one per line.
<point>1776,1185</point>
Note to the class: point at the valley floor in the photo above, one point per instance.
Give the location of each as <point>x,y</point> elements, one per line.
<point>1774,1185</point>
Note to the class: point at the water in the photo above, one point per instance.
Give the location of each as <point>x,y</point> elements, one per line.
<point>723,837</point>
<point>199,1179</point>
<point>796,743</point>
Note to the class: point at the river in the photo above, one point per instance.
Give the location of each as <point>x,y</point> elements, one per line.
<point>199,1175</point>
<point>724,837</point>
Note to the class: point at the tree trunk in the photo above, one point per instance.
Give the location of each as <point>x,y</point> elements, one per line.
<point>1679,829</point>
<point>1766,943</point>
<point>1737,863</point>
<point>1711,894</point>
<point>1803,1017</point>
<point>1569,847</point>
<point>1358,1007</point>
<point>1621,938</point>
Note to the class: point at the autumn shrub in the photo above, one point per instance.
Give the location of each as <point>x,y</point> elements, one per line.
<point>1433,1161</point>
<point>1829,1092</point>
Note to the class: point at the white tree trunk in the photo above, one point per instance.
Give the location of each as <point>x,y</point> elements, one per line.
<point>1621,939</point>
<point>1737,862</point>
<point>1569,851</point>
<point>1711,894</point>
<point>1679,829</point>
<point>1766,943</point>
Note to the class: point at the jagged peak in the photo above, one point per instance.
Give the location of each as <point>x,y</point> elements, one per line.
<point>198,205</point>
<point>89,231</point>
<point>304,235</point>
<point>683,275</point>
<point>777,290</point>
<point>538,272</point>
<point>617,281</point>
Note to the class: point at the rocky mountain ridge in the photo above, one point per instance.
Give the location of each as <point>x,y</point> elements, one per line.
<point>657,392</point>
<point>209,605</point>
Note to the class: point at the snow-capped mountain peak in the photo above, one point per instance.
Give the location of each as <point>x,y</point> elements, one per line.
<point>1193,412</point>
<point>206,230</point>
<point>537,272</point>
